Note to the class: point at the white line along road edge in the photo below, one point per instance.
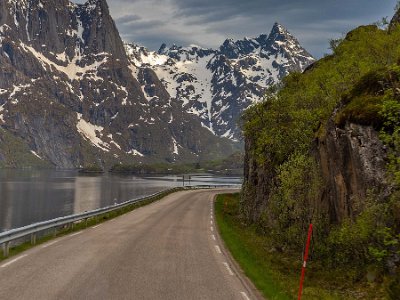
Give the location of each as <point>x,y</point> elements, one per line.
<point>13,261</point>
<point>50,244</point>
<point>228,268</point>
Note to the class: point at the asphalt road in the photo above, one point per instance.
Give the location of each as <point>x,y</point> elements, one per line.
<point>167,250</point>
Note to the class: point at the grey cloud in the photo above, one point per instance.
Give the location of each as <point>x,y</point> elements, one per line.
<point>138,25</point>
<point>209,22</point>
<point>126,19</point>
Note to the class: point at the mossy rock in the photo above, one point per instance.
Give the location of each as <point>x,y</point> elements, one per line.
<point>359,31</point>
<point>363,110</point>
<point>372,83</point>
<point>363,104</point>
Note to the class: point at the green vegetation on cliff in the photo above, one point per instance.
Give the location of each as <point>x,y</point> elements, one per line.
<point>287,121</point>
<point>275,273</point>
<point>14,153</point>
<point>284,188</point>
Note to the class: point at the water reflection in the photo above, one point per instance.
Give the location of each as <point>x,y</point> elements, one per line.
<point>28,197</point>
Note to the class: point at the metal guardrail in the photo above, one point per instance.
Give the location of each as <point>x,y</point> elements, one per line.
<point>207,186</point>
<point>32,230</point>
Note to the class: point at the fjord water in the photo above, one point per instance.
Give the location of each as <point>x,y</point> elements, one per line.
<point>31,196</point>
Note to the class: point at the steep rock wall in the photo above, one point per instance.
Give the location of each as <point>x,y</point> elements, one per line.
<point>352,161</point>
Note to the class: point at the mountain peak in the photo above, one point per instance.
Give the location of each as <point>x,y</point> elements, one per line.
<point>91,5</point>
<point>278,30</point>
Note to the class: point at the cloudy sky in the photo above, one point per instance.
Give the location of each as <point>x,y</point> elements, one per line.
<point>209,22</point>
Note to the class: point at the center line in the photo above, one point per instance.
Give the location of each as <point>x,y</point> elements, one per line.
<point>13,261</point>
<point>228,268</point>
<point>76,233</point>
<point>50,244</point>
<point>245,296</point>
<point>213,237</point>
<point>212,229</point>
<point>218,249</point>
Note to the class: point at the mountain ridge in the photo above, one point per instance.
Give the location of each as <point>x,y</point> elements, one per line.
<point>217,85</point>
<point>72,94</point>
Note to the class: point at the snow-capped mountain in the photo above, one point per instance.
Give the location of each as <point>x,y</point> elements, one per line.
<point>73,94</point>
<point>70,96</point>
<point>218,85</point>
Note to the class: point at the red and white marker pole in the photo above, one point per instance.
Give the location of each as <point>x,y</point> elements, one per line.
<point>303,270</point>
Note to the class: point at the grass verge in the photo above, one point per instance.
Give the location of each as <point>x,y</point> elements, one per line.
<point>59,232</point>
<point>246,248</point>
<point>275,274</point>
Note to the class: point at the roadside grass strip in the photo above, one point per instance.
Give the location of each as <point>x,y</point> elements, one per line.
<point>276,275</point>
<point>242,245</point>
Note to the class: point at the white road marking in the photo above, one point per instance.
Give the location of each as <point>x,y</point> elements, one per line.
<point>14,260</point>
<point>212,229</point>
<point>94,227</point>
<point>228,268</point>
<point>49,244</point>
<point>213,237</point>
<point>74,234</point>
<point>245,296</point>
<point>218,249</point>
<point>211,222</point>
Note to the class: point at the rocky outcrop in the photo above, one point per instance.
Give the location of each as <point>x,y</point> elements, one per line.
<point>258,184</point>
<point>353,163</point>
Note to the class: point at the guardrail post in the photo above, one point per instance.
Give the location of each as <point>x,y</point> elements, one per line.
<point>55,232</point>
<point>6,249</point>
<point>86,222</point>
<point>33,238</point>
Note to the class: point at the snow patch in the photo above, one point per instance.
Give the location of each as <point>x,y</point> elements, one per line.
<point>175,145</point>
<point>91,132</point>
<point>72,70</point>
<point>37,155</point>
<point>134,152</point>
<point>2,114</point>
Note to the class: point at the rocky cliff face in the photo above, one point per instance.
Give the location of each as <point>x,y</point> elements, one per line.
<point>217,85</point>
<point>353,162</point>
<point>70,95</point>
<point>352,165</point>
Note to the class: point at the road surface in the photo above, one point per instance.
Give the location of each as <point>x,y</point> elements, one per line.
<point>169,249</point>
